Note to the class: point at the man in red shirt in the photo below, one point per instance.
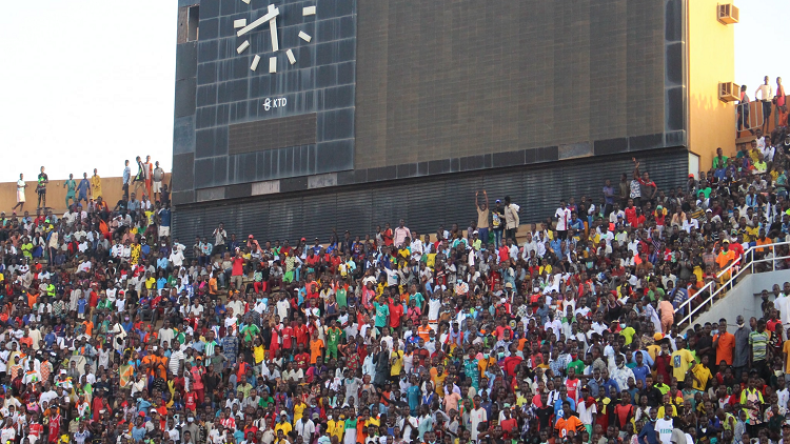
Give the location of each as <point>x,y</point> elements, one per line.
<point>302,359</point>
<point>630,213</point>
<point>396,313</point>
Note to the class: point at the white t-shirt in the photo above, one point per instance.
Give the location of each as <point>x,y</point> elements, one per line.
<point>563,216</point>
<point>664,430</point>
<point>476,417</point>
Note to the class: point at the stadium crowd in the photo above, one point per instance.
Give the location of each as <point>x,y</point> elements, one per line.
<point>564,331</point>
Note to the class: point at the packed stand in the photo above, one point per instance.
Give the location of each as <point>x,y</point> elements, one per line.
<point>562,331</point>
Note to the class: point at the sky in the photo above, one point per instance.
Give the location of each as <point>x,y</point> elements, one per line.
<point>757,42</point>
<point>86,84</point>
<point>89,83</point>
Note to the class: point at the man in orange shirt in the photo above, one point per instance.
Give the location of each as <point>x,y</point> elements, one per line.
<point>570,424</point>
<point>762,240</point>
<point>32,296</point>
<point>213,291</point>
<point>424,330</point>
<point>725,258</point>
<point>316,345</point>
<point>724,343</point>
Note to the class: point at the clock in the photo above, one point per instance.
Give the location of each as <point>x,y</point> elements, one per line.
<point>270,18</point>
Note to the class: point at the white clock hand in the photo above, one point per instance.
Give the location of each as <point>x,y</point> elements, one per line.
<point>270,15</point>
<point>273,30</point>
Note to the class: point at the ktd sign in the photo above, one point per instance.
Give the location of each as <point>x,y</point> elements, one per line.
<point>269,104</point>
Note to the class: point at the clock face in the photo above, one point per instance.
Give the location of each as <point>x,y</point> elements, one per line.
<point>260,24</point>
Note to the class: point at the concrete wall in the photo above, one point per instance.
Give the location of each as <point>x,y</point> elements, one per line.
<point>741,300</point>
<point>711,59</point>
<point>56,194</point>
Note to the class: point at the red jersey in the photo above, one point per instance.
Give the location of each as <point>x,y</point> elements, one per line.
<point>287,333</point>
<point>54,428</point>
<point>190,401</point>
<point>302,333</point>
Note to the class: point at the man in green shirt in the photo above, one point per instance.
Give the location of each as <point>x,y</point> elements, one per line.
<point>333,336</point>
<point>758,340</point>
<point>71,188</point>
<point>577,365</point>
<point>341,297</point>
<point>250,332</point>
<point>720,161</point>
<point>382,313</point>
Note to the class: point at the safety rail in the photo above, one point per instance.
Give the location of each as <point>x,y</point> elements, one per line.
<point>749,116</point>
<point>739,267</point>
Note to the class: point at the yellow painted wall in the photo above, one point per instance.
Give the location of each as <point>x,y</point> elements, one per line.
<point>112,191</point>
<point>711,46</point>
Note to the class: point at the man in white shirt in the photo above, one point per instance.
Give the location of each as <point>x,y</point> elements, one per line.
<point>305,428</point>
<point>563,215</point>
<point>765,94</point>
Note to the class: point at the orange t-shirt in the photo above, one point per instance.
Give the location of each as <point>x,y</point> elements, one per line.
<point>766,241</point>
<point>424,332</point>
<point>572,424</point>
<point>723,258</point>
<point>315,350</point>
<point>88,328</point>
<point>724,348</point>
<point>32,298</point>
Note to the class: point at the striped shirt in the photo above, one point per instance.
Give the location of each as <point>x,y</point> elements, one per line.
<point>759,343</point>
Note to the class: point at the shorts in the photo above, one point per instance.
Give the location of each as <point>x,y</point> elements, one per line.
<point>164,231</point>
<point>157,187</point>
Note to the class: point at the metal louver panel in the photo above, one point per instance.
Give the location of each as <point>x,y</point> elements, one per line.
<point>424,203</point>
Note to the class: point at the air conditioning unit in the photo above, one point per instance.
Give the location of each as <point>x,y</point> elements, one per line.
<point>729,92</point>
<point>727,13</point>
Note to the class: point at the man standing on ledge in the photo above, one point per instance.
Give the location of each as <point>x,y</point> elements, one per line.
<point>41,188</point>
<point>511,219</point>
<point>20,193</point>
<point>96,184</point>
<point>482,218</point>
<point>139,178</point>
<point>401,233</point>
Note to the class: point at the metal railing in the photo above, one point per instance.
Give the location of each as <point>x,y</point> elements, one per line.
<point>749,116</point>
<point>714,289</point>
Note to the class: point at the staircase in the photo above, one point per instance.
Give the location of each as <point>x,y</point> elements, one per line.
<point>740,294</point>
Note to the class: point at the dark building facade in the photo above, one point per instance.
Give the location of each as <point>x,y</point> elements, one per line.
<point>396,109</point>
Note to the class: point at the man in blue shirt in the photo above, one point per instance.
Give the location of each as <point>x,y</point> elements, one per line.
<point>558,412</point>
<point>648,433</point>
<point>162,263</point>
<point>165,216</point>
<point>640,370</point>
<point>205,252</point>
<point>83,188</point>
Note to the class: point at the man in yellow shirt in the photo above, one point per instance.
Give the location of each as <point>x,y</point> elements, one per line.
<point>299,407</point>
<point>335,426</point>
<point>700,375</point>
<point>438,377</point>
<point>682,360</point>
<point>96,184</point>
<point>284,425</point>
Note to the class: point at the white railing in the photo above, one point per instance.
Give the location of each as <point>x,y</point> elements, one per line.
<point>739,267</point>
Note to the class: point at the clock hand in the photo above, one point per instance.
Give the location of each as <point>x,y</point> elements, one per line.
<point>273,30</point>
<point>270,15</point>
